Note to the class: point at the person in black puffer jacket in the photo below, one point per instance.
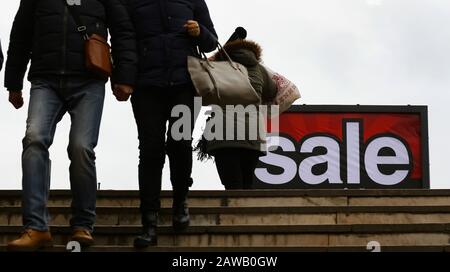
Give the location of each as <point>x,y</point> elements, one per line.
<point>168,31</point>
<point>1,56</point>
<point>54,46</point>
<point>45,33</point>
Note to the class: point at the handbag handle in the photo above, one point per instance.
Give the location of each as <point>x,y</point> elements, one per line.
<point>212,78</point>
<point>221,49</point>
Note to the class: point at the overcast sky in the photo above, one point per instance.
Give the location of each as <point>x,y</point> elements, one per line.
<point>388,52</point>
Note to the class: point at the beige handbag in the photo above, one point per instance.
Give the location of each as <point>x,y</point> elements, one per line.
<point>221,82</point>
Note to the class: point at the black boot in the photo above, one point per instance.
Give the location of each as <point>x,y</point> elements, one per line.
<point>180,216</point>
<point>148,237</point>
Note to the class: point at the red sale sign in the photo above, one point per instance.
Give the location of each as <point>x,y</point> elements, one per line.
<point>347,147</point>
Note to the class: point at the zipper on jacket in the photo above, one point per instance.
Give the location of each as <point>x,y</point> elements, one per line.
<point>64,46</point>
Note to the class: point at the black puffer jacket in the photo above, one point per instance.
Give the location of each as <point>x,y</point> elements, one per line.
<point>163,42</point>
<point>45,32</point>
<point>1,56</point>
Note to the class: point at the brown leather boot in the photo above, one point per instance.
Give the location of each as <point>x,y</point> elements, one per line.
<point>82,236</point>
<point>31,240</point>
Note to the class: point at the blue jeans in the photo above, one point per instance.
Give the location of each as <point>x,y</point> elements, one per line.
<point>50,100</point>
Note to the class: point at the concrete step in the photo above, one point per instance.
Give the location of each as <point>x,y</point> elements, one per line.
<point>261,198</point>
<point>266,236</point>
<point>251,250</point>
<point>265,220</point>
<point>207,216</point>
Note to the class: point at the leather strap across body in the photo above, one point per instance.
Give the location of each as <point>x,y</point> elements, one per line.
<point>97,50</point>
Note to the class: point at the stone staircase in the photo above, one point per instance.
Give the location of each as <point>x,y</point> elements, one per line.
<point>261,221</point>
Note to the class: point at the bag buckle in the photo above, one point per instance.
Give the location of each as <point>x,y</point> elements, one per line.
<point>81,28</point>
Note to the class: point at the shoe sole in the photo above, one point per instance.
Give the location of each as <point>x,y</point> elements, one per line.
<point>144,245</point>
<point>83,242</point>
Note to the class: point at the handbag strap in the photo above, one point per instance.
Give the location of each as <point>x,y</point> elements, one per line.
<point>81,27</point>
<point>223,51</point>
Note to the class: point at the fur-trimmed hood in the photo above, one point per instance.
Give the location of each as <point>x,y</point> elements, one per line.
<point>245,52</point>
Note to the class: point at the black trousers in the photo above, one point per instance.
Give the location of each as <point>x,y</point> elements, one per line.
<point>236,167</point>
<point>152,109</point>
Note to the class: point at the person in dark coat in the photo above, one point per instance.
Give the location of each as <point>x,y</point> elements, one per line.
<point>1,56</point>
<point>168,31</point>
<point>45,33</point>
<point>236,159</point>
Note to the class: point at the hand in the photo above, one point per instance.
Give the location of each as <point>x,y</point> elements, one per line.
<point>122,92</point>
<point>193,28</point>
<point>16,99</point>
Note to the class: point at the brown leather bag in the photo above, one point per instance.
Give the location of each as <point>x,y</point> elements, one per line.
<point>98,56</point>
<point>97,50</point>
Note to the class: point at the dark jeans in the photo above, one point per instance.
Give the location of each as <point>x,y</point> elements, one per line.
<point>152,109</point>
<point>50,99</point>
<point>236,167</point>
